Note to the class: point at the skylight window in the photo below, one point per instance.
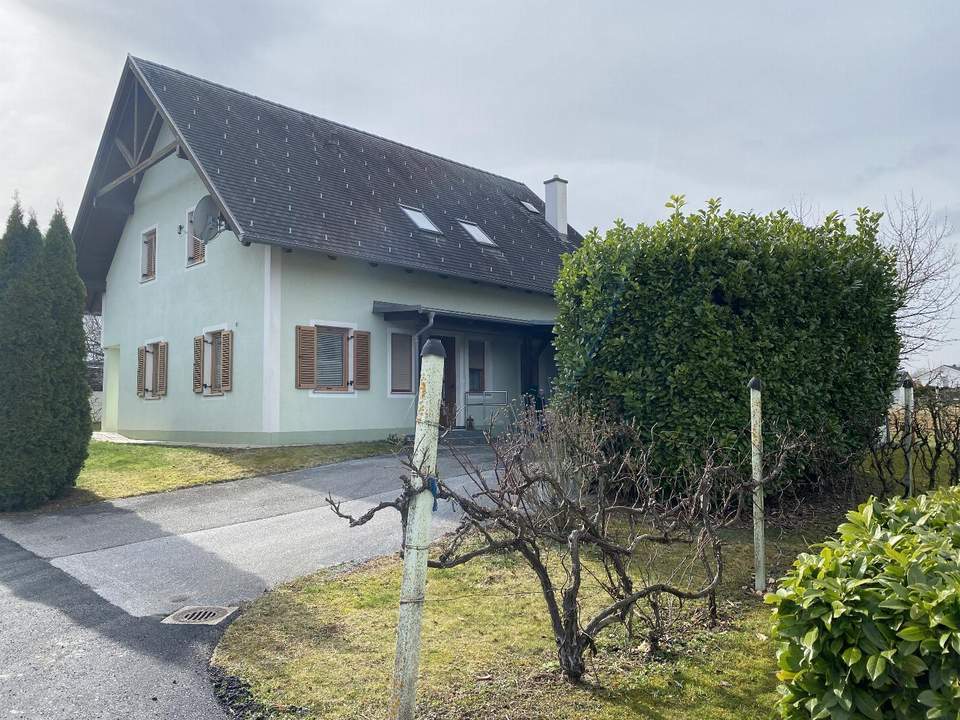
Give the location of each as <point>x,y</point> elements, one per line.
<point>477,233</point>
<point>530,206</point>
<point>420,219</point>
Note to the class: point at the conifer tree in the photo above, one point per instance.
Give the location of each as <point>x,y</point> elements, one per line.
<point>25,435</point>
<point>69,421</point>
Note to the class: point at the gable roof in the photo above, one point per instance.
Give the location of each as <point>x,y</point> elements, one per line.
<point>288,178</point>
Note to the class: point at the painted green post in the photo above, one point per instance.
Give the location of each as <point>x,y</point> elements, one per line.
<point>416,543</point>
<point>756,441</point>
<point>908,432</point>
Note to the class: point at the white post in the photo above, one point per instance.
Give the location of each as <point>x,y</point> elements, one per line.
<point>416,543</point>
<point>756,441</point>
<point>908,433</point>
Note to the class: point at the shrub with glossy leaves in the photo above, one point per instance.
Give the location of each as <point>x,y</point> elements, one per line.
<point>870,626</point>
<point>665,324</point>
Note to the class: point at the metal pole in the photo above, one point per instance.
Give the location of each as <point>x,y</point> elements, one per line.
<point>908,432</point>
<point>756,441</point>
<point>416,543</point>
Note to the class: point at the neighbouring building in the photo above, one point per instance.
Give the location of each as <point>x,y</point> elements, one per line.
<point>341,253</point>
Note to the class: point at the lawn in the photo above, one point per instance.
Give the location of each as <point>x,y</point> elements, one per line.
<point>116,470</point>
<point>322,647</point>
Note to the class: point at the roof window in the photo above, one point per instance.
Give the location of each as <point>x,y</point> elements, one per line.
<point>477,233</point>
<point>420,219</point>
<point>530,206</point>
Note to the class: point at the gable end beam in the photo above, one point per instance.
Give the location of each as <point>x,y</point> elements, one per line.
<point>139,168</point>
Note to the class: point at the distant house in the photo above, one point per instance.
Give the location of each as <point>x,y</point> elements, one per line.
<point>342,253</point>
<point>943,376</point>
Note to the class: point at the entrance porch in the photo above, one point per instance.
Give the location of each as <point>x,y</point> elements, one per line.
<point>492,362</point>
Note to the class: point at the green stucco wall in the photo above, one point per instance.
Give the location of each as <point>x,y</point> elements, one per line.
<point>225,290</point>
<point>262,293</point>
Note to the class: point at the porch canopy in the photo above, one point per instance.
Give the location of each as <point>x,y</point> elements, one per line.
<point>459,320</point>
<point>534,335</point>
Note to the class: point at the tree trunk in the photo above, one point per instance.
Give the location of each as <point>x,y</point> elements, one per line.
<point>570,651</point>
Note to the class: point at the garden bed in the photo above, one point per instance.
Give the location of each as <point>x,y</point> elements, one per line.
<point>322,647</point>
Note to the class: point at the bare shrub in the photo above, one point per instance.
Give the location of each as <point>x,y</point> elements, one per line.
<point>574,495</point>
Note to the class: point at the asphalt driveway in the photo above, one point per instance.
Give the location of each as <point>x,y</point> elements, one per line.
<point>82,591</point>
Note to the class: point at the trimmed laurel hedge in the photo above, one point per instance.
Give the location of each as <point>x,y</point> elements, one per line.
<point>870,627</point>
<point>665,324</point>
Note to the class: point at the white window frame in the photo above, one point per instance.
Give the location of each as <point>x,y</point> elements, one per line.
<point>487,374</point>
<point>156,253</point>
<point>351,391</point>
<point>467,224</point>
<point>188,246</point>
<point>413,363</point>
<point>408,210</point>
<point>207,369</point>
<point>149,365</point>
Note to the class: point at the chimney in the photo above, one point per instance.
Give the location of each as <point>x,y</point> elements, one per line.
<point>555,196</point>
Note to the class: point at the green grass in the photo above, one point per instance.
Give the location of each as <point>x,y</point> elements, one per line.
<point>325,643</point>
<point>116,470</point>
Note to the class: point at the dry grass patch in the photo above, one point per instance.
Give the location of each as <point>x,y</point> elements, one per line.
<point>116,470</point>
<point>322,647</point>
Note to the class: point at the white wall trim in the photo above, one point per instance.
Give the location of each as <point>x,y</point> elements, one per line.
<point>272,340</point>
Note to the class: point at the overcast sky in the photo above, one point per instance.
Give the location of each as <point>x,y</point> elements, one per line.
<point>760,103</point>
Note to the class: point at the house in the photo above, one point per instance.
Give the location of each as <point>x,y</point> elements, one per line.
<point>340,254</point>
<point>943,376</point>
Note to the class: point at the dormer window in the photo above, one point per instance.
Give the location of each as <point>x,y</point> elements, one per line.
<point>477,233</point>
<point>421,220</point>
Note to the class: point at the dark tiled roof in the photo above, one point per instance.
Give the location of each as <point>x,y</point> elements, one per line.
<point>292,179</point>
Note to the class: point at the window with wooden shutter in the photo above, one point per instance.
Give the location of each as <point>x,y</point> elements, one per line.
<point>148,255</point>
<point>226,361</point>
<point>198,364</point>
<point>361,360</point>
<point>401,363</point>
<point>141,370</point>
<point>161,369</point>
<point>196,250</point>
<point>306,370</point>
<point>332,359</point>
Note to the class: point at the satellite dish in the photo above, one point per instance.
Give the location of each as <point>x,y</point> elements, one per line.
<point>206,220</point>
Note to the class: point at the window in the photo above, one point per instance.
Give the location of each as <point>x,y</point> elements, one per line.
<point>196,250</point>
<point>332,359</point>
<point>213,362</point>
<point>420,219</point>
<point>476,352</point>
<point>401,363</point>
<point>530,206</point>
<point>152,370</point>
<point>477,233</point>
<point>148,255</point>
<point>323,356</point>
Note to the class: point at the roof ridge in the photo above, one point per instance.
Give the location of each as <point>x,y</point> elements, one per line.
<point>332,122</point>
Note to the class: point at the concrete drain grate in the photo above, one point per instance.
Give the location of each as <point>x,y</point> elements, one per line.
<point>200,615</point>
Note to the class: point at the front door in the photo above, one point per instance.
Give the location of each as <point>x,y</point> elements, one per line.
<point>448,404</point>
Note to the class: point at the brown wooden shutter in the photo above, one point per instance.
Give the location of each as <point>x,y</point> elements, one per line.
<point>141,370</point>
<point>199,250</point>
<point>198,364</point>
<point>151,242</point>
<point>306,371</point>
<point>361,360</point>
<point>226,361</point>
<point>161,360</point>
